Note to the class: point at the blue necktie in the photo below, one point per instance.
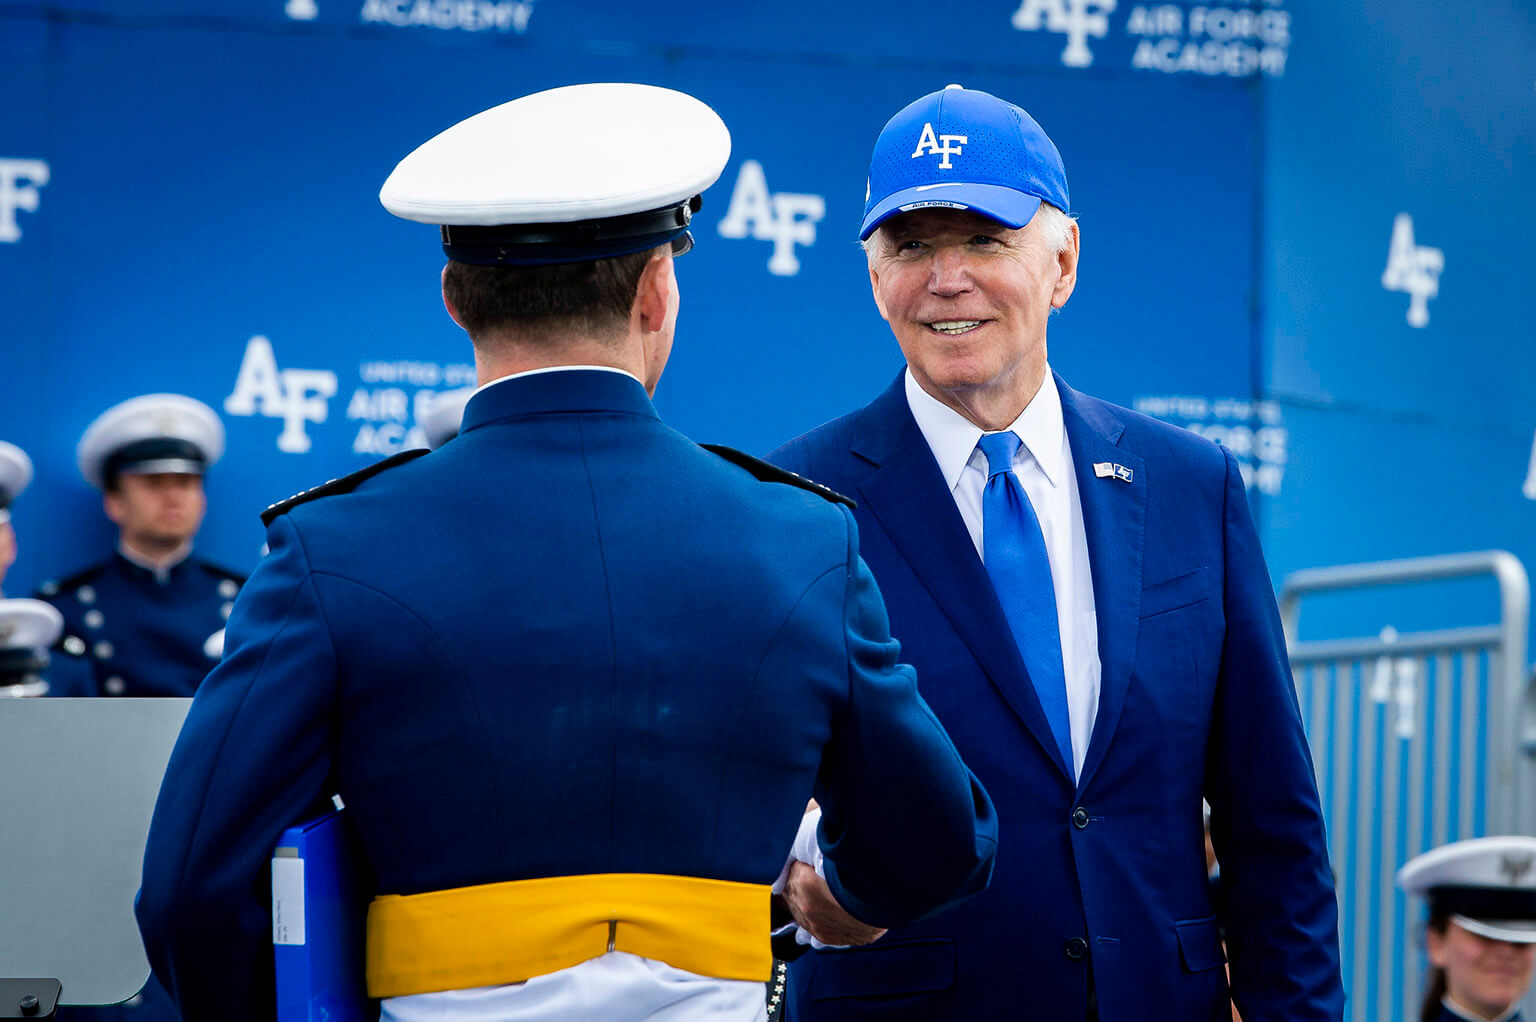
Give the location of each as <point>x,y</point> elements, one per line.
<point>1013,549</point>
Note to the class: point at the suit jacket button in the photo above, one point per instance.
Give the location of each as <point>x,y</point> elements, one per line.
<point>1077,947</point>
<point>1080,818</point>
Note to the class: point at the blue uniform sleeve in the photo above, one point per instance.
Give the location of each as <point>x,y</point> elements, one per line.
<point>1266,818</point>
<point>252,759</point>
<point>906,828</point>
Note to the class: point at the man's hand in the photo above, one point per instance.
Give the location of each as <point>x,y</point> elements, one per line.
<point>810,901</point>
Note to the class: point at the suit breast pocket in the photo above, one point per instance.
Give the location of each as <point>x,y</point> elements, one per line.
<point>1176,593</point>
<point>1178,649</point>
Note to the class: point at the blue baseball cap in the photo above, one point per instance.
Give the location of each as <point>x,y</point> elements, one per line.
<point>962,148</point>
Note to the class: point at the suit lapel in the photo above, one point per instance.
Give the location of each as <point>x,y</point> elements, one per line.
<point>1115,518</point>
<point>907,495</point>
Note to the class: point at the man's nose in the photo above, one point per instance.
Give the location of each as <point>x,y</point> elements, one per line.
<point>949,272</point>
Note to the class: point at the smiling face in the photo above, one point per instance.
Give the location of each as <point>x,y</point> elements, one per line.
<point>1487,976</point>
<point>968,300</point>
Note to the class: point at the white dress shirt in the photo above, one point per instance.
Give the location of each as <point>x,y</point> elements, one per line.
<point>1043,466</point>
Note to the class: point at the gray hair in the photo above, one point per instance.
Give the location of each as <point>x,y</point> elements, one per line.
<point>1055,227</point>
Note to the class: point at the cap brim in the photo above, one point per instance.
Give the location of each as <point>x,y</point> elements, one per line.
<point>1008,206</point>
<point>163,466</point>
<point>1515,931</point>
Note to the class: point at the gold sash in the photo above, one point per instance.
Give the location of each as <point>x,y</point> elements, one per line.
<point>509,932</point>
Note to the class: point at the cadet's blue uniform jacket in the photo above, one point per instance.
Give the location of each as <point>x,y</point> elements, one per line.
<point>1196,700</point>
<point>142,635</point>
<point>570,641</point>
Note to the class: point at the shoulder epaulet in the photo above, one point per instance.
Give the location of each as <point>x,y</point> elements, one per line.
<point>769,473</point>
<point>346,484</point>
<point>54,587</point>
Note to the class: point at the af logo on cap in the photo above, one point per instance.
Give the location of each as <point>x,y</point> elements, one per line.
<point>928,143</point>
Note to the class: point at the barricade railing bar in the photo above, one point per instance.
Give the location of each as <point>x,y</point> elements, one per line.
<point>1418,739</point>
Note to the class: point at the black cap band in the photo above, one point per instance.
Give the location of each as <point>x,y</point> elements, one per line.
<point>16,664</point>
<point>1494,903</point>
<point>579,242</point>
<point>141,452</point>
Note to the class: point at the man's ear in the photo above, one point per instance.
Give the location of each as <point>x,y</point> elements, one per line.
<point>1434,946</point>
<point>654,294</point>
<point>1066,265</point>
<point>453,313</point>
<point>112,506</point>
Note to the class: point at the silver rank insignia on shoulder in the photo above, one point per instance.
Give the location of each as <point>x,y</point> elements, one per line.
<point>1109,470</point>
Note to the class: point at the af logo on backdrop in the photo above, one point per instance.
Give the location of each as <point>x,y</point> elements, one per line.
<point>1076,19</point>
<point>1239,40</point>
<point>296,396</point>
<point>785,218</point>
<point>19,184</point>
<point>392,398</point>
<point>1413,269</point>
<point>1253,431</point>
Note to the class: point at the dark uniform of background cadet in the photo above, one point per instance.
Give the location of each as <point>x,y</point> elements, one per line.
<point>576,719</point>
<point>150,618</point>
<point>25,670</point>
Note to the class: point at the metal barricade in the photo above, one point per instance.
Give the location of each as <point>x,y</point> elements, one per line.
<point>1418,739</point>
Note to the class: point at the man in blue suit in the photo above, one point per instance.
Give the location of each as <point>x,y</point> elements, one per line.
<point>573,675</point>
<point>1082,592</point>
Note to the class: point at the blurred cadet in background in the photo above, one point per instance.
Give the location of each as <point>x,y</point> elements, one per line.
<point>56,674</point>
<point>15,474</point>
<point>1481,932</point>
<point>150,618</point>
<point>573,675</point>
<point>441,423</point>
<point>27,629</point>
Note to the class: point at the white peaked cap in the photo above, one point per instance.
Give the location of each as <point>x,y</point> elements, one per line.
<point>15,472</point>
<point>191,431</point>
<point>575,153</point>
<point>29,624</point>
<point>1487,885</point>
